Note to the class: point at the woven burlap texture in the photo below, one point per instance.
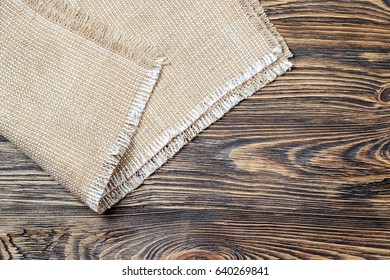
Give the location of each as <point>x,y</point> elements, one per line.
<point>102,93</point>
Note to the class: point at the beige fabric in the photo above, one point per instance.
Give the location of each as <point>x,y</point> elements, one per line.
<point>75,80</point>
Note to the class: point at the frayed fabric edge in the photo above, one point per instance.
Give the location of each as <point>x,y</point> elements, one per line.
<point>123,140</point>
<point>219,109</point>
<point>77,21</point>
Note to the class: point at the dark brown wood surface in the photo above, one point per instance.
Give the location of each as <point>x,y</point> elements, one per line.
<point>299,170</point>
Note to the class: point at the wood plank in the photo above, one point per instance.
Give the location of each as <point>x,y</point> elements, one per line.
<point>299,170</point>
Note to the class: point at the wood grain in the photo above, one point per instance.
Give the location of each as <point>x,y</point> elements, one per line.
<point>301,170</point>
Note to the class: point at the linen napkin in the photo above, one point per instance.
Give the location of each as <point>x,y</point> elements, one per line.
<point>102,93</point>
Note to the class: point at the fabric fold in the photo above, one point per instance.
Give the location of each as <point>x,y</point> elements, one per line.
<point>73,90</point>
<point>86,90</point>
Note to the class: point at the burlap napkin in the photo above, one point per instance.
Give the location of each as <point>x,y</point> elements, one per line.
<point>102,93</point>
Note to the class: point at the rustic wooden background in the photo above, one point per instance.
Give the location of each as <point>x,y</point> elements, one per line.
<point>299,170</point>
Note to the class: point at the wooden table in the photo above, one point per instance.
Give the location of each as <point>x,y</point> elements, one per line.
<point>299,170</point>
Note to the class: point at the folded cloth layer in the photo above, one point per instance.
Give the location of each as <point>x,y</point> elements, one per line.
<point>86,93</point>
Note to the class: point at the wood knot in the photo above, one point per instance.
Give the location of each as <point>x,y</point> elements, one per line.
<point>195,255</point>
<point>384,94</point>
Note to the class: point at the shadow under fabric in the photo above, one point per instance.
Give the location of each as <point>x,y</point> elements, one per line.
<point>102,93</point>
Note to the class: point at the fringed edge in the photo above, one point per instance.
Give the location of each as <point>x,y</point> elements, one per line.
<point>99,186</point>
<point>256,14</point>
<point>77,21</point>
<point>127,171</point>
<point>214,113</point>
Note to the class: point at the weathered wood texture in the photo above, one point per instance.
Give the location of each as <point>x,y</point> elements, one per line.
<point>300,170</point>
